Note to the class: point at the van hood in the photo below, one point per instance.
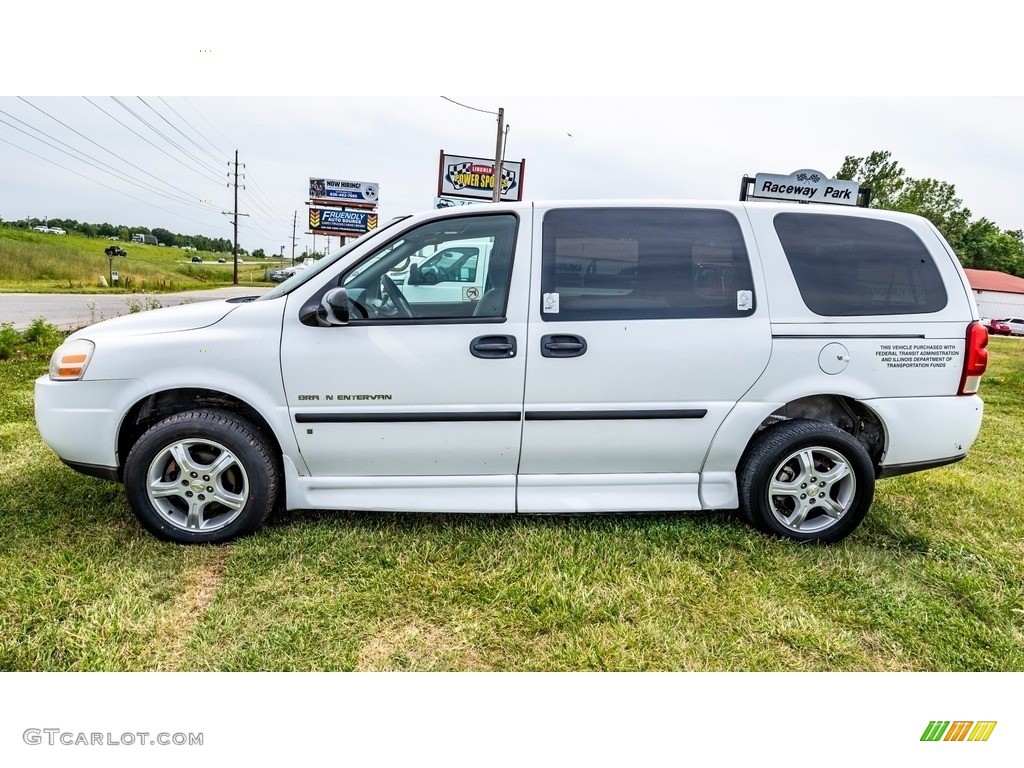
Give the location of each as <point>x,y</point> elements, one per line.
<point>184,317</point>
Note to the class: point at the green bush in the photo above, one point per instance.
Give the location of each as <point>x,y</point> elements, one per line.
<point>36,342</point>
<point>9,340</point>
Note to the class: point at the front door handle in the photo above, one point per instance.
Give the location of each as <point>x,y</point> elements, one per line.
<point>493,347</point>
<point>562,345</point>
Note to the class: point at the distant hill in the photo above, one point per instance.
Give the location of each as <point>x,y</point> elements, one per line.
<point>124,233</point>
<point>43,262</point>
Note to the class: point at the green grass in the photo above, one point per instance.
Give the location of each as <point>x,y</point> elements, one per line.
<point>35,262</point>
<point>931,581</point>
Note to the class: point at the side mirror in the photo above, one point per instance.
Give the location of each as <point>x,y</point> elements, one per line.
<point>334,308</point>
<point>414,275</point>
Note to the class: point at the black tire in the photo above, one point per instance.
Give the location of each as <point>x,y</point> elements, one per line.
<point>786,461</point>
<point>202,476</point>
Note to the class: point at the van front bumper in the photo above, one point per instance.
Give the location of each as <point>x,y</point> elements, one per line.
<point>80,420</point>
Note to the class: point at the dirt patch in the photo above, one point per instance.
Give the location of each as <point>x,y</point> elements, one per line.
<point>186,610</point>
<point>418,647</point>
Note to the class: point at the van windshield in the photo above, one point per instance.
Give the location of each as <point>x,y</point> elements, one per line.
<point>303,275</point>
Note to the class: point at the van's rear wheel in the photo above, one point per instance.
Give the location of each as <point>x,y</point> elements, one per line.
<point>201,476</point>
<point>806,480</point>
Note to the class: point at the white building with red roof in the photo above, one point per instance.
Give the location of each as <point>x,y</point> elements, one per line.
<point>997,294</point>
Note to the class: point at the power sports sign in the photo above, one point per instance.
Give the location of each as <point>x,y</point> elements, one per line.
<point>357,194</point>
<point>804,186</point>
<point>473,178</point>
<point>334,221</point>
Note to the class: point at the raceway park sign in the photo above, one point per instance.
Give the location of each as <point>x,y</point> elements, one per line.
<point>473,177</point>
<point>805,186</point>
<point>341,192</point>
<point>331,221</point>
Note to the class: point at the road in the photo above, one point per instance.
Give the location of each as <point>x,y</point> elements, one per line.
<point>69,311</point>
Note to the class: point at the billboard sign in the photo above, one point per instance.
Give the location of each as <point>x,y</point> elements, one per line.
<point>473,177</point>
<point>362,194</point>
<point>332,221</point>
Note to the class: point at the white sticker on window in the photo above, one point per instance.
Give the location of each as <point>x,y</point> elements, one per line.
<point>744,300</point>
<point>550,302</point>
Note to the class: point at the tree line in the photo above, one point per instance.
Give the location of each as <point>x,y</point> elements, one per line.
<point>979,243</point>
<point>199,242</point>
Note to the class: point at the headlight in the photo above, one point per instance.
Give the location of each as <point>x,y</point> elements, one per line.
<point>68,361</point>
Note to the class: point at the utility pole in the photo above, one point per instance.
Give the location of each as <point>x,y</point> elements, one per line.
<point>498,155</point>
<point>235,251</point>
<point>499,148</point>
<point>235,217</point>
<point>295,218</point>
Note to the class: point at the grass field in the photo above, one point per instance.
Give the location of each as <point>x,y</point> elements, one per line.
<point>933,580</point>
<point>35,262</point>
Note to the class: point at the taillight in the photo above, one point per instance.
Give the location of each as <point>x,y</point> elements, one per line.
<point>976,359</point>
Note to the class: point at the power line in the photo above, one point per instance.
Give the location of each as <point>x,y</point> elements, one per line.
<point>257,191</point>
<point>119,175</point>
<point>211,125</point>
<point>255,197</point>
<point>255,202</point>
<point>188,138</point>
<point>189,195</point>
<point>113,189</point>
<point>475,109</point>
<point>161,149</point>
<point>170,141</point>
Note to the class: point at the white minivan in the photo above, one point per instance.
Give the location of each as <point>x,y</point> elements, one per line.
<point>618,356</point>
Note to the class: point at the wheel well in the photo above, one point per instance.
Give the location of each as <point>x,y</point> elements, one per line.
<point>159,406</point>
<point>846,413</point>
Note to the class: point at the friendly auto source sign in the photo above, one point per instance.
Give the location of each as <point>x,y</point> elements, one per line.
<point>346,192</point>
<point>805,186</point>
<point>332,221</point>
<point>473,177</point>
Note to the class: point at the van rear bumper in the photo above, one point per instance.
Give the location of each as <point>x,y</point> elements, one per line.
<point>926,432</point>
<point>895,470</point>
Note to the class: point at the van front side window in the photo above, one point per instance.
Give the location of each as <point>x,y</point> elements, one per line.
<point>447,269</point>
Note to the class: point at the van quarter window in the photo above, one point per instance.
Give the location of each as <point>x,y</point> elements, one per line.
<point>847,266</point>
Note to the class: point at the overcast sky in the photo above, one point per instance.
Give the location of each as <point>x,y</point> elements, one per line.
<point>601,100</point>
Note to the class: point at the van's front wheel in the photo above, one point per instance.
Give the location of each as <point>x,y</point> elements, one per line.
<point>201,477</point>
<point>806,480</point>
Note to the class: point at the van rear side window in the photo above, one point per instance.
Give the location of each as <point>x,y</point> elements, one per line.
<point>644,263</point>
<point>847,266</point>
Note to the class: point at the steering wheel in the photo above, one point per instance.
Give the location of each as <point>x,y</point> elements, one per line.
<point>395,296</point>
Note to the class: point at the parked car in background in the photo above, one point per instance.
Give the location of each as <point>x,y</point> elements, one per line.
<point>996,327</point>
<point>56,231</point>
<point>280,275</point>
<point>1016,325</point>
<point>197,259</point>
